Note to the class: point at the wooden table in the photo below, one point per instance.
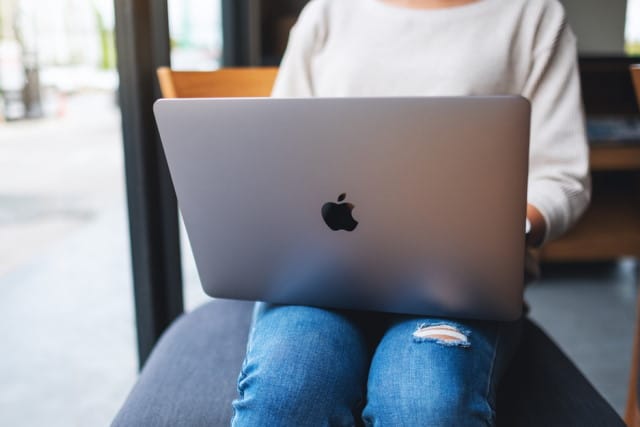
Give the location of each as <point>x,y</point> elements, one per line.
<point>611,226</point>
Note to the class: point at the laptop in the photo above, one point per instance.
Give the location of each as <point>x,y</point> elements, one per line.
<point>403,205</point>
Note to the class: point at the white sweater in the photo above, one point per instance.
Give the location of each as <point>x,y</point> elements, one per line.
<point>369,48</point>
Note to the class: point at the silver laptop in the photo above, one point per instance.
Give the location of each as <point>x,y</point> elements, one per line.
<point>405,205</point>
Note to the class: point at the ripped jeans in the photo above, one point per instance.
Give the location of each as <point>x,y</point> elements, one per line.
<point>308,366</point>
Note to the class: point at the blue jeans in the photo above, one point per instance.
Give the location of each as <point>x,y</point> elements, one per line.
<point>309,366</point>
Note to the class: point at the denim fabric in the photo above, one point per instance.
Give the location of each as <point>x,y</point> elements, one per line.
<point>309,366</point>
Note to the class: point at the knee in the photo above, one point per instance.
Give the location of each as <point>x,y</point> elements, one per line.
<point>264,396</point>
<point>308,339</point>
<point>442,409</point>
<point>293,395</point>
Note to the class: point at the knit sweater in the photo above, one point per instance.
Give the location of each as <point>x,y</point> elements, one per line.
<point>353,48</point>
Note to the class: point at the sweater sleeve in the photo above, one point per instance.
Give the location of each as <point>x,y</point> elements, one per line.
<point>559,181</point>
<point>294,78</point>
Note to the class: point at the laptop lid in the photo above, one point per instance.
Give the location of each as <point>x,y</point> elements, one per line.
<point>408,205</point>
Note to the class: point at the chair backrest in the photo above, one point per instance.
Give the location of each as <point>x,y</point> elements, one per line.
<point>223,83</point>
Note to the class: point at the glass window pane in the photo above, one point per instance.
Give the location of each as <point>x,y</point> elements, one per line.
<point>66,309</point>
<point>196,34</point>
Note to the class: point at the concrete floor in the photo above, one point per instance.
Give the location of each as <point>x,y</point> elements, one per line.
<point>66,321</point>
<point>590,312</point>
<point>65,287</point>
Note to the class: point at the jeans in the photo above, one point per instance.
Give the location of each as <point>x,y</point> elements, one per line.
<point>308,366</point>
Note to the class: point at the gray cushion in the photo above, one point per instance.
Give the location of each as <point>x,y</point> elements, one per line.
<point>190,378</point>
<point>542,387</point>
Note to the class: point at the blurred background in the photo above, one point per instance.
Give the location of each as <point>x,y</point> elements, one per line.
<point>67,330</point>
<point>67,327</point>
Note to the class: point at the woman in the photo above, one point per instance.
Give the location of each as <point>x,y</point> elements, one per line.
<point>308,366</point>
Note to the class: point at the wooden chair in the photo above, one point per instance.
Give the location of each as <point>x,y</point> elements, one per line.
<point>224,83</point>
<point>632,413</point>
<point>189,378</point>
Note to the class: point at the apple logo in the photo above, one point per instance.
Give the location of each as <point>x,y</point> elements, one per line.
<point>338,216</point>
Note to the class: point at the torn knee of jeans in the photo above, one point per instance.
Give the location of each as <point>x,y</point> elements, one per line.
<point>442,333</point>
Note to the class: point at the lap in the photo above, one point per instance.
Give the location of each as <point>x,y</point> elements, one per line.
<point>305,363</point>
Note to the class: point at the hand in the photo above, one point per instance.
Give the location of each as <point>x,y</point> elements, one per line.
<point>538,226</point>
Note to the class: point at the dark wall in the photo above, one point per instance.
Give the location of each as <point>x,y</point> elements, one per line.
<point>607,87</point>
